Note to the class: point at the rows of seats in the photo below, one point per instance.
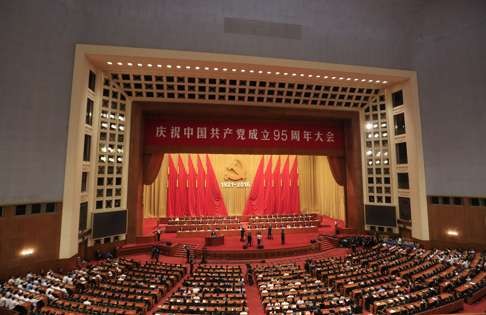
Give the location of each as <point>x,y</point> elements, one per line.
<point>203,220</point>
<point>287,225</point>
<point>288,289</point>
<point>211,289</point>
<point>117,287</point>
<point>389,278</point>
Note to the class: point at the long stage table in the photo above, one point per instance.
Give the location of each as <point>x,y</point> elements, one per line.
<point>214,240</point>
<point>236,232</point>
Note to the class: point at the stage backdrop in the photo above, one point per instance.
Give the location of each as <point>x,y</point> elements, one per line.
<point>319,192</point>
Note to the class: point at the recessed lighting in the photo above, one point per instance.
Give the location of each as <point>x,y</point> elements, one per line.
<point>269,72</point>
<point>452,232</point>
<point>169,66</point>
<point>206,68</point>
<point>384,82</point>
<point>234,70</point>
<point>368,152</point>
<point>294,74</point>
<point>159,66</point>
<point>348,79</point>
<point>251,71</point>
<point>301,74</point>
<point>341,78</point>
<point>109,63</point>
<point>178,67</point>
<point>318,76</point>
<point>215,69</point>
<point>243,70</point>
<point>369,126</point>
<point>188,67</point>
<point>260,71</point>
<point>356,80</point>
<point>325,77</point>
<point>225,69</point>
<point>377,81</point>
<point>139,64</point>
<point>310,75</point>
<point>333,78</point>
<point>277,73</point>
<point>26,252</point>
<point>197,67</point>
<point>129,64</point>
<point>286,73</point>
<point>363,80</point>
<point>370,81</point>
<point>149,65</point>
<point>119,63</point>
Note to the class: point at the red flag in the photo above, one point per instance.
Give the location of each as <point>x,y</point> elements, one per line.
<point>182,189</point>
<point>191,190</point>
<point>256,200</point>
<point>269,196</point>
<point>277,184</point>
<point>214,199</point>
<point>285,189</point>
<point>201,188</point>
<point>294,189</point>
<point>171,189</point>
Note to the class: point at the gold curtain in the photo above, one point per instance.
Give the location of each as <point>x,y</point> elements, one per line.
<point>319,192</point>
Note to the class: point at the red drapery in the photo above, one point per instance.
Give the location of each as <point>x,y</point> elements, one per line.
<point>214,200</point>
<point>181,189</point>
<point>269,193</point>
<point>276,187</point>
<point>151,167</point>
<point>285,189</point>
<point>255,204</point>
<point>201,188</point>
<point>192,190</point>
<point>294,189</point>
<point>171,188</point>
<point>338,169</point>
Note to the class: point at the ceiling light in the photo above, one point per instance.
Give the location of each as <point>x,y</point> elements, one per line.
<point>310,75</point>
<point>206,68</point>
<point>341,78</point>
<point>294,74</point>
<point>149,65</point>
<point>178,67</point>
<point>277,73</point>
<point>159,66</point>
<point>243,70</point>
<point>370,81</point>
<point>215,69</point>
<point>348,79</point>
<point>139,64</point>
<point>188,67</point>
<point>378,162</point>
<point>197,67</point>
<point>269,72</point>
<point>370,162</point>
<point>251,71</point>
<point>363,80</point>
<point>169,66</point>
<point>129,64</point>
<point>109,63</point>
<point>325,77</point>
<point>384,82</point>
<point>333,78</point>
<point>377,81</point>
<point>318,76</point>
<point>368,152</point>
<point>369,126</point>
<point>356,80</point>
<point>119,63</point>
<point>301,74</point>
<point>260,71</point>
<point>225,69</point>
<point>285,73</point>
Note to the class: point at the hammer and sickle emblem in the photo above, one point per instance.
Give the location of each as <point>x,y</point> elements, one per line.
<point>235,171</point>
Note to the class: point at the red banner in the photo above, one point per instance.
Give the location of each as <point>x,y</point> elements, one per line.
<point>325,135</point>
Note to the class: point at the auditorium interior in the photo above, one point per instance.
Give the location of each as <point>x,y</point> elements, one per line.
<point>242,157</point>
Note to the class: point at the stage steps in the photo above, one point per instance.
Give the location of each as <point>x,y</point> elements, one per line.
<point>195,248</point>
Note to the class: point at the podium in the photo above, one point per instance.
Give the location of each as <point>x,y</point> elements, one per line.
<point>214,240</point>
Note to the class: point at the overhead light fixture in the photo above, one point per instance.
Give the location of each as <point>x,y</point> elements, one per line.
<point>206,68</point>
<point>139,64</point>
<point>251,71</point>
<point>363,80</point>
<point>188,67</point>
<point>215,69</point>
<point>169,66</point>
<point>243,70</point>
<point>197,67</point>
<point>149,65</point>
<point>178,67</point>
<point>129,64</point>
<point>260,71</point>
<point>159,66</point>
<point>269,72</point>
<point>325,77</point>
<point>109,63</point>
<point>369,126</point>
<point>384,82</point>
<point>225,69</point>
<point>119,63</point>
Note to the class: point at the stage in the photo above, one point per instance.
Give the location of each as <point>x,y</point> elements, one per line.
<point>300,243</point>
